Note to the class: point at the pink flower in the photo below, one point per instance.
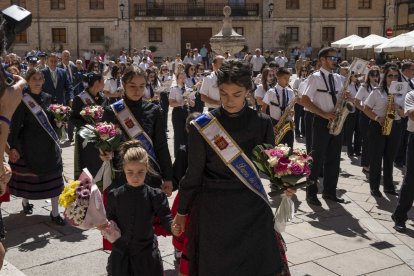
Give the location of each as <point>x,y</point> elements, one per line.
<point>306,170</point>
<point>296,169</point>
<point>112,133</point>
<point>274,152</point>
<point>281,167</point>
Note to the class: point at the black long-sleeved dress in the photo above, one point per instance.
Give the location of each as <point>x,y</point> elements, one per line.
<point>136,251</point>
<point>149,116</point>
<point>85,157</point>
<point>38,173</point>
<point>231,228</point>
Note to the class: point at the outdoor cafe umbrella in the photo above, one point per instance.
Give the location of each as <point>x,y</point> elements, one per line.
<point>346,41</point>
<point>367,42</point>
<point>397,44</point>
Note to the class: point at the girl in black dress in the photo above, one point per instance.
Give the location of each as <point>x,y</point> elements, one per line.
<point>88,156</point>
<point>35,157</point>
<point>222,209</point>
<point>132,207</point>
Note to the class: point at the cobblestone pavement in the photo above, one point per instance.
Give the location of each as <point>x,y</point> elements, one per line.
<point>355,238</point>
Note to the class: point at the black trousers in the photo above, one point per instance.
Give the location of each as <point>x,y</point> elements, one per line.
<point>406,198</point>
<point>382,154</point>
<point>179,117</point>
<point>363,128</point>
<point>400,157</point>
<point>299,120</point>
<point>326,154</point>
<point>352,134</point>
<point>308,129</point>
<point>164,103</point>
<point>199,104</point>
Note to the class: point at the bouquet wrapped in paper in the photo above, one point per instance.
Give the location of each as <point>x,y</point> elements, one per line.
<point>61,114</point>
<point>92,113</point>
<point>285,168</point>
<point>83,203</point>
<point>107,138</point>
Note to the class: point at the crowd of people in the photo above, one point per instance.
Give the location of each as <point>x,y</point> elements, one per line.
<point>254,94</point>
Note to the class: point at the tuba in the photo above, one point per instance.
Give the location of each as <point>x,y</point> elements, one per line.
<point>389,116</point>
<point>281,128</point>
<point>343,107</point>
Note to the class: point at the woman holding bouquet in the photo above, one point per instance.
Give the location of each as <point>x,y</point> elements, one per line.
<point>35,155</point>
<point>88,156</point>
<point>219,203</point>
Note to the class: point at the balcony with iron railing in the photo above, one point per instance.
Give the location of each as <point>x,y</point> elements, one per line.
<point>180,9</point>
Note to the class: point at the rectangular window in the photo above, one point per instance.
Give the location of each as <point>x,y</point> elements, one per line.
<point>155,34</point>
<point>328,34</point>
<point>59,35</point>
<point>410,8</point>
<point>21,3</point>
<point>57,4</point>
<point>97,35</point>
<point>21,37</point>
<point>293,33</point>
<point>239,30</point>
<point>96,4</point>
<point>364,4</point>
<point>292,4</point>
<point>364,31</point>
<point>329,4</point>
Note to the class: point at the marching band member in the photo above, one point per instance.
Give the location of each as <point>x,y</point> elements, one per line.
<point>112,85</point>
<point>277,99</point>
<point>151,86</point>
<point>383,147</point>
<point>352,134</point>
<point>209,90</point>
<point>165,84</point>
<point>192,83</point>
<point>268,81</point>
<point>320,97</point>
<point>406,197</point>
<point>212,194</point>
<point>372,81</point>
<point>35,155</point>
<point>88,156</point>
<point>407,73</point>
<point>180,102</point>
<point>299,112</point>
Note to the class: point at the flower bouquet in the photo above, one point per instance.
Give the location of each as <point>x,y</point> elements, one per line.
<point>83,203</point>
<point>107,138</point>
<point>92,113</point>
<point>61,114</point>
<point>285,167</point>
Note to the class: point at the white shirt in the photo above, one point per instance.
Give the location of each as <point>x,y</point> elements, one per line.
<point>257,62</point>
<point>176,93</point>
<point>409,107</point>
<point>87,55</point>
<point>143,66</point>
<point>198,58</point>
<point>274,99</point>
<point>210,89</point>
<point>136,59</point>
<point>123,59</point>
<point>260,92</point>
<point>110,85</point>
<point>318,92</point>
<point>353,89</point>
<point>281,61</point>
<point>363,94</point>
<point>377,101</point>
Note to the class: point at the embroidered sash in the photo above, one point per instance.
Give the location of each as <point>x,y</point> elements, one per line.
<point>40,116</point>
<point>133,128</point>
<point>86,98</point>
<point>230,153</point>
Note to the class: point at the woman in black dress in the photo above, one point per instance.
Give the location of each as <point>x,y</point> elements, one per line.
<point>88,156</point>
<point>149,117</point>
<point>229,224</point>
<point>35,156</point>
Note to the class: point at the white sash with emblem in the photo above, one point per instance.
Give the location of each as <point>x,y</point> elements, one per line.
<point>86,98</point>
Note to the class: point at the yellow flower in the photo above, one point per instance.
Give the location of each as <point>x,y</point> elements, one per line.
<point>68,196</point>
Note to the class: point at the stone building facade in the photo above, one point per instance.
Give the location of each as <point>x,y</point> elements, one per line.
<point>172,26</point>
<point>405,15</point>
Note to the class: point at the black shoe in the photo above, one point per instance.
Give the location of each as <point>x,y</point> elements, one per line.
<point>333,198</point>
<point>399,226</point>
<point>376,193</point>
<point>28,209</point>
<point>57,220</point>
<point>313,201</point>
<point>391,192</point>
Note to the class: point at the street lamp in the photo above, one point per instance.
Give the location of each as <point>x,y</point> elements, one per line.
<point>271,6</point>
<point>122,8</point>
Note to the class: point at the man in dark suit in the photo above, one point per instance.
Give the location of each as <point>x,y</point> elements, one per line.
<point>57,82</point>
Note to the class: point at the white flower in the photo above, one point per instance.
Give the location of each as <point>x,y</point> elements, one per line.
<point>273,161</point>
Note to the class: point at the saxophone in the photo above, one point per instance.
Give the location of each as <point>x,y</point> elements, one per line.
<point>281,128</point>
<point>389,116</point>
<point>342,108</point>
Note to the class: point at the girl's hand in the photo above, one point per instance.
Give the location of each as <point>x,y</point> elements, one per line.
<point>104,226</point>
<point>176,230</point>
<point>381,120</point>
<point>167,187</point>
<point>5,175</point>
<point>179,223</point>
<point>14,155</point>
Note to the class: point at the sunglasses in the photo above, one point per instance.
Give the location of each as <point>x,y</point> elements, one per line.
<point>392,76</point>
<point>332,57</point>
